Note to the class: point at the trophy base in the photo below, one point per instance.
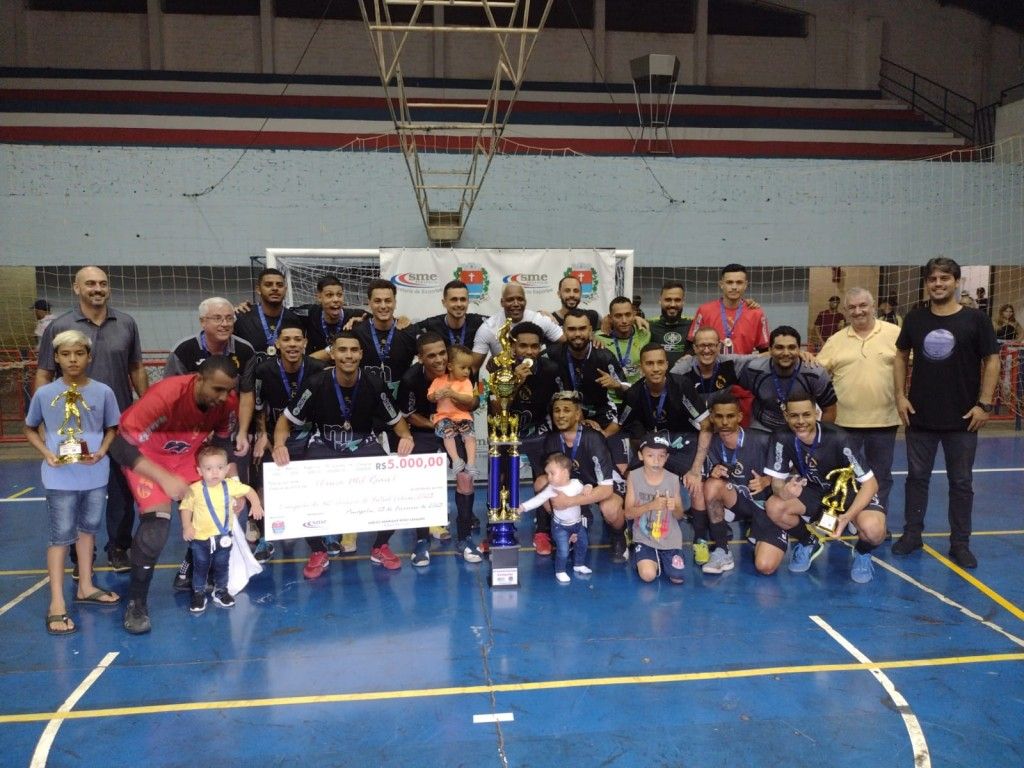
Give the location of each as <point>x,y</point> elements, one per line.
<point>827,524</point>
<point>504,567</point>
<point>72,453</point>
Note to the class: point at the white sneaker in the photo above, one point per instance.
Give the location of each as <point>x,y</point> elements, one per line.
<point>720,561</point>
<point>562,577</point>
<point>582,569</point>
<point>440,532</point>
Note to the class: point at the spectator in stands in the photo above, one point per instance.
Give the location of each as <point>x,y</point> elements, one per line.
<point>670,327</point>
<point>513,305</point>
<point>44,317</point>
<point>861,360</point>
<point>345,404</point>
<point>625,341</point>
<point>800,457</point>
<point>1006,326</point>
<point>887,311</point>
<point>956,367</point>
<point>570,293</point>
<point>76,493</point>
<point>981,300</point>
<point>827,322</point>
<point>115,360</point>
<point>638,310</point>
<point>967,301</point>
<point>156,444</point>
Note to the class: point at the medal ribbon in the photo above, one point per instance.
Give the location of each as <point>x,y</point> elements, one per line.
<point>288,388</point>
<point>623,358</point>
<point>707,385</point>
<point>345,412</point>
<point>451,334</point>
<point>778,386</point>
<point>269,333</point>
<point>725,320</point>
<point>334,327</point>
<point>222,528</point>
<point>731,460</point>
<point>575,443</point>
<point>383,350</point>
<point>659,412</point>
<point>571,365</point>
<point>799,446</point>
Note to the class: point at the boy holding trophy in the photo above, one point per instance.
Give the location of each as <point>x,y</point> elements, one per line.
<point>72,422</point>
<point>813,467</point>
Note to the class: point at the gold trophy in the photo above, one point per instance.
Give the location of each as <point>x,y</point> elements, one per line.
<point>834,504</point>
<point>73,448</point>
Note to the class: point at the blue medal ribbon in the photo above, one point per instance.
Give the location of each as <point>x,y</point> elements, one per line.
<point>269,333</point>
<point>288,388</point>
<point>451,334</point>
<point>345,412</point>
<point>222,528</point>
<point>783,396</point>
<point>659,412</point>
<point>728,329</point>
<point>575,443</point>
<point>624,358</point>
<point>334,328</point>
<point>731,460</point>
<point>571,365</point>
<point>706,386</point>
<point>383,350</point>
<point>202,343</point>
<point>799,446</point>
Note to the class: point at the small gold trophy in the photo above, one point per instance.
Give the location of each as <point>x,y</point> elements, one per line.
<point>73,448</point>
<point>834,504</point>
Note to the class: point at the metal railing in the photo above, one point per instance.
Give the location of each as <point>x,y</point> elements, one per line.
<point>985,117</point>
<point>945,106</point>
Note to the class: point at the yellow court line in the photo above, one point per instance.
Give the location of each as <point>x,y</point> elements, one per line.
<point>987,591</point>
<point>592,682</point>
<point>20,493</point>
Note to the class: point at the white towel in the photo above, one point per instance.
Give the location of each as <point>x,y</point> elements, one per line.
<point>242,566</point>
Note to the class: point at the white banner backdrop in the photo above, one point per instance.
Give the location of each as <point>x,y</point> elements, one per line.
<point>420,274</point>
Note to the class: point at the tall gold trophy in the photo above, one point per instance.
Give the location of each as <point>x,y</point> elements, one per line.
<point>73,448</point>
<point>834,503</point>
<point>503,454</point>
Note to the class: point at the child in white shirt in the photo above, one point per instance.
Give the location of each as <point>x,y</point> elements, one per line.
<point>567,525</point>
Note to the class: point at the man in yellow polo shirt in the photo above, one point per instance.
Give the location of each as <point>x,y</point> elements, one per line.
<point>860,359</point>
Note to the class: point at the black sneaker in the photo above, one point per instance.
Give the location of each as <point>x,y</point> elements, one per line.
<point>962,556</point>
<point>136,618</point>
<point>619,551</point>
<point>198,602</point>
<point>74,573</point>
<point>223,599</point>
<point>119,562</point>
<point>909,542</point>
<point>183,578</point>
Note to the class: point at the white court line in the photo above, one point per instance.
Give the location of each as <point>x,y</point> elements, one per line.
<point>23,498</point>
<point>922,759</point>
<point>38,585</point>
<point>42,751</point>
<point>497,717</point>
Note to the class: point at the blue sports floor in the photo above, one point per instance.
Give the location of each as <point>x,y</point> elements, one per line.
<point>430,667</point>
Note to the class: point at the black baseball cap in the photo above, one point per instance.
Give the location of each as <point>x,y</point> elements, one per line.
<point>658,439</point>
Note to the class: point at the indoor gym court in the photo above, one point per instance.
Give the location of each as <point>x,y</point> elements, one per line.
<point>430,666</point>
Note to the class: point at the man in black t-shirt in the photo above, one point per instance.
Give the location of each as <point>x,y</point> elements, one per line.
<point>418,409</point>
<point>259,326</point>
<point>956,367</point>
<point>670,328</point>
<point>215,337</point>
<point>570,293</point>
<point>388,350</point>
<point>590,371</point>
<point>346,405</point>
<point>328,316</point>
<point>799,461</point>
<point>457,325</point>
<point>265,389</point>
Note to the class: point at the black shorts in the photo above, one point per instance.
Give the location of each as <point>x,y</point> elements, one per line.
<point>745,508</point>
<point>765,531</point>
<point>812,495</point>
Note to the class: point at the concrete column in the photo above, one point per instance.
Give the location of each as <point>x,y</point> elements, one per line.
<point>700,44</point>
<point>439,43</point>
<point>155,32</point>
<point>600,47</point>
<point>266,36</point>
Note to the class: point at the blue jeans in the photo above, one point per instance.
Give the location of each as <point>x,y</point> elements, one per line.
<point>958,448</point>
<point>74,512</point>
<point>561,533</point>
<point>203,560</point>
<point>876,445</point>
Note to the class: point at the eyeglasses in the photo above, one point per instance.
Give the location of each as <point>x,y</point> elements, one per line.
<point>706,345</point>
<point>220,319</point>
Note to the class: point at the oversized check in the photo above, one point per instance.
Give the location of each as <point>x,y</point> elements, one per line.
<point>364,493</point>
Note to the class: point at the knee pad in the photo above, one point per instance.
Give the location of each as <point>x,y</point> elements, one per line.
<point>149,540</point>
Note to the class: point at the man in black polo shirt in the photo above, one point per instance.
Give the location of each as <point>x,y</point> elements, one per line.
<point>346,404</point>
<point>216,337</point>
<point>800,458</point>
<point>265,389</point>
<point>417,409</point>
<point>591,465</point>
<point>590,371</point>
<point>457,325</point>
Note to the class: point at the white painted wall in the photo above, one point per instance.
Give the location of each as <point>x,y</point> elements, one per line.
<point>846,37</point>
